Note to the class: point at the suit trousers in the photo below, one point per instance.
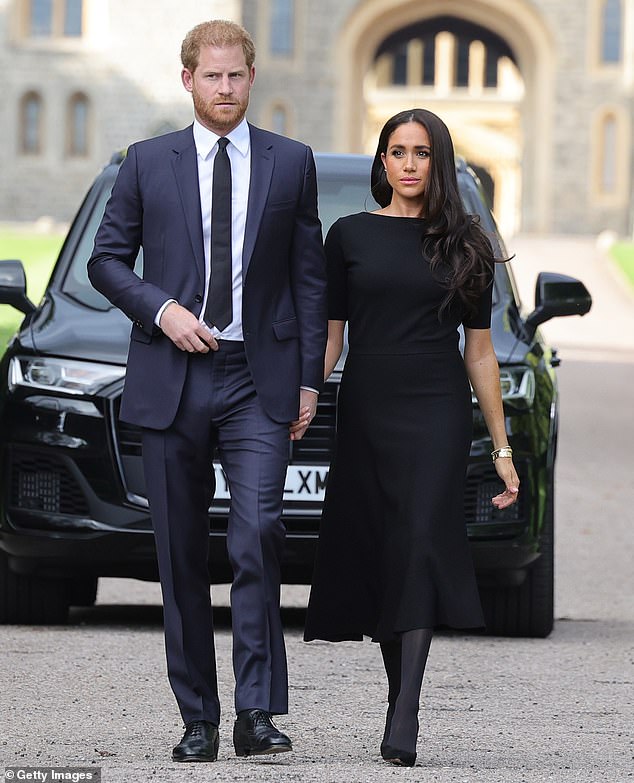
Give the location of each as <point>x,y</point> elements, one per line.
<point>219,410</point>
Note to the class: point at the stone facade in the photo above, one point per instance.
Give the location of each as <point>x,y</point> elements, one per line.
<point>557,129</point>
<point>127,65</point>
<point>557,142</point>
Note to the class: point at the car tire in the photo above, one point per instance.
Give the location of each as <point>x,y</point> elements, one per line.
<point>526,610</point>
<point>83,591</point>
<point>29,600</point>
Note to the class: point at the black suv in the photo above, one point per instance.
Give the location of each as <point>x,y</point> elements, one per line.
<point>72,497</point>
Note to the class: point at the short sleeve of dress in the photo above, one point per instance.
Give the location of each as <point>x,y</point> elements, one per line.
<point>337,286</point>
<point>482,318</point>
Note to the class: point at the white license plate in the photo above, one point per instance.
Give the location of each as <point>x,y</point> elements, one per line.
<point>303,482</point>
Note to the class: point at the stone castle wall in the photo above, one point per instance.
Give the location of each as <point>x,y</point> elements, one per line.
<point>128,66</point>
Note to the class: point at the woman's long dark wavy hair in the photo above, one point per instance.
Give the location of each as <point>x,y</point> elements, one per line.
<point>459,252</point>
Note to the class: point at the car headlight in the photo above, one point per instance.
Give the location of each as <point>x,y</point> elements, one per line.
<point>64,375</point>
<point>517,385</point>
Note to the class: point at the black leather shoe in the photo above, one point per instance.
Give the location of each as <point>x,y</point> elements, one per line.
<point>401,758</point>
<point>199,743</point>
<point>254,734</point>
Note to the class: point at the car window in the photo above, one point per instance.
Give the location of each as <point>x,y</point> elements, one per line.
<point>343,188</point>
<point>349,192</point>
<point>339,196</point>
<point>80,242</point>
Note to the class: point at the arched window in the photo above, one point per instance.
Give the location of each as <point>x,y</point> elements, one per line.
<point>279,120</point>
<point>462,62</point>
<point>491,68</point>
<point>611,31</point>
<point>399,73</point>
<point>31,124</point>
<point>282,27</point>
<point>443,53</point>
<point>78,109</point>
<point>429,60</point>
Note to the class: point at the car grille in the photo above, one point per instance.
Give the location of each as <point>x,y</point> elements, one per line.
<point>318,444</point>
<point>129,438</point>
<point>42,483</point>
<point>483,483</point>
<point>315,447</point>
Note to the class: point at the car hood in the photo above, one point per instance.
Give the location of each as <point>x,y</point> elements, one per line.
<point>63,327</point>
<point>510,347</point>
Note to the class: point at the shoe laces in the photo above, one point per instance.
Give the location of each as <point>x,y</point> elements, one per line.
<point>195,728</point>
<point>262,717</point>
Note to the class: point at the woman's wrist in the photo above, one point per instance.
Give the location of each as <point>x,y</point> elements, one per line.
<point>502,452</point>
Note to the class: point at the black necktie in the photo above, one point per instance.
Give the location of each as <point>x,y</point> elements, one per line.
<point>219,310</point>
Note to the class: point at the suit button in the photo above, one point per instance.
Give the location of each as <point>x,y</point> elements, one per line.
<point>198,298</point>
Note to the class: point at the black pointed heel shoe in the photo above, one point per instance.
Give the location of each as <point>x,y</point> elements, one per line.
<point>401,758</point>
<point>388,724</point>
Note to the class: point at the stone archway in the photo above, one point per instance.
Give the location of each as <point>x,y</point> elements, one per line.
<point>518,23</point>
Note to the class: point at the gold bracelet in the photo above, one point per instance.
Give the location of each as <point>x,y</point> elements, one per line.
<point>503,451</point>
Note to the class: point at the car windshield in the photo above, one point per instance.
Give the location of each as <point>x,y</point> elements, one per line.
<point>80,244</point>
<point>340,195</point>
<point>343,187</point>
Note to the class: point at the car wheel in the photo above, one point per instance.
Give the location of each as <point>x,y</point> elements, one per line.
<point>29,600</point>
<point>526,610</point>
<point>83,592</point>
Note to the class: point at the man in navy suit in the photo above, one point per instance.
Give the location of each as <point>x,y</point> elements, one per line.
<point>226,354</point>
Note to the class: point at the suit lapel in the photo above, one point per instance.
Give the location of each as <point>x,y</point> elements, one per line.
<point>262,160</point>
<point>185,165</point>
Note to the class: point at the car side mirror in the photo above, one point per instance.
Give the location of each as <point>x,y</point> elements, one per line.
<point>13,287</point>
<point>557,295</point>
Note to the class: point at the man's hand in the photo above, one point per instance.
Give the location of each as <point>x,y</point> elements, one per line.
<point>307,409</point>
<point>185,330</point>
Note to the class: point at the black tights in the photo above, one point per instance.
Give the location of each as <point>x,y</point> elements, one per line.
<point>404,661</point>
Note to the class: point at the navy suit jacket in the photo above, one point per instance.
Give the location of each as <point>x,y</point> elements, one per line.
<point>155,203</point>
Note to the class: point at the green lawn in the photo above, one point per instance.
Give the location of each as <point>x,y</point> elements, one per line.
<point>38,253</point>
<point>623,255</point>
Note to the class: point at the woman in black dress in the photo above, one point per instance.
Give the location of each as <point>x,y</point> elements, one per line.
<point>393,560</point>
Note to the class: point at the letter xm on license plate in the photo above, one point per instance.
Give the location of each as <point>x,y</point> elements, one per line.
<point>303,482</point>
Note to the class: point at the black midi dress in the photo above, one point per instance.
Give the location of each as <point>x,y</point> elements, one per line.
<point>393,553</point>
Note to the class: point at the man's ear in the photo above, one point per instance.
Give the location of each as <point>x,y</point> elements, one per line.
<point>252,76</point>
<point>187,77</point>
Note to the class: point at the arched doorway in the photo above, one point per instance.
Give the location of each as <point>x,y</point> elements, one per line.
<point>484,66</point>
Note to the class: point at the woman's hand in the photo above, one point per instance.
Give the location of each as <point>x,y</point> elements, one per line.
<point>307,410</point>
<point>506,471</point>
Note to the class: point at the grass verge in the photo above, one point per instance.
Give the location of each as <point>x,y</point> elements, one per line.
<point>623,255</point>
<point>38,253</point>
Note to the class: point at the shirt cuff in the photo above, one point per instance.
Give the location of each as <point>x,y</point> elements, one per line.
<point>309,388</point>
<point>157,317</point>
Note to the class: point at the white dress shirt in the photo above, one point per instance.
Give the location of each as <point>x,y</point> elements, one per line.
<point>239,151</point>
